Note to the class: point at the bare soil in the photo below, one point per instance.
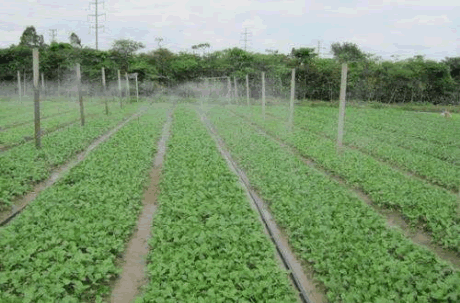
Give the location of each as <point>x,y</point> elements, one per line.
<point>133,276</point>
<point>128,286</point>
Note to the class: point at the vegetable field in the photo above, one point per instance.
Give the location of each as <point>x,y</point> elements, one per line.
<point>207,244</point>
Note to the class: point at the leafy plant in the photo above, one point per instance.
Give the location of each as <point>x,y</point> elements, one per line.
<point>207,243</point>
<point>63,247</point>
<point>352,251</point>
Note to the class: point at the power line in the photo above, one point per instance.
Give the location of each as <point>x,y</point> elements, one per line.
<point>246,38</point>
<point>53,34</point>
<point>96,16</point>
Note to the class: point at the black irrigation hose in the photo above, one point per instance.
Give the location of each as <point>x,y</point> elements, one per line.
<point>10,217</point>
<point>302,293</point>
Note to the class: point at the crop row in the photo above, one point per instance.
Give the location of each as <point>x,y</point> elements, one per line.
<point>64,246</point>
<point>380,125</point>
<point>13,113</point>
<point>345,242</point>
<point>207,243</point>
<point>22,166</point>
<point>426,126</point>
<point>435,208</point>
<point>385,147</point>
<point>19,134</point>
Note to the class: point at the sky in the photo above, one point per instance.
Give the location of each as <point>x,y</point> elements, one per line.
<point>391,29</point>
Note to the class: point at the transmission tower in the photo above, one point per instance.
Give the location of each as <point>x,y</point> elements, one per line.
<point>320,48</point>
<point>53,34</point>
<point>96,21</point>
<point>246,38</point>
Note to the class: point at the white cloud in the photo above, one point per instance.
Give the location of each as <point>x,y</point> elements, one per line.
<point>436,41</point>
<point>379,26</point>
<point>422,20</point>
<point>256,25</point>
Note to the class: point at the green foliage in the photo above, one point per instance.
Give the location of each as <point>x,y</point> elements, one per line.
<point>31,39</point>
<point>207,243</point>
<point>53,120</point>
<point>63,247</point>
<point>369,78</point>
<point>23,166</point>
<point>420,203</point>
<point>352,251</point>
<point>75,41</point>
<point>304,55</point>
<point>123,51</point>
<point>347,52</point>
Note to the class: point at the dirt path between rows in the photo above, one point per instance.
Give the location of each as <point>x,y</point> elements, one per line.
<point>22,202</point>
<point>309,290</point>
<point>133,276</point>
<point>393,218</point>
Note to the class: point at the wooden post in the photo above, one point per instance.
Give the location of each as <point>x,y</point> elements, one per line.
<point>137,89</point>
<point>263,94</point>
<point>206,87</point>
<point>43,83</point>
<point>343,91</point>
<point>80,96</point>
<point>229,94</point>
<point>103,79</point>
<point>119,88</point>
<point>236,90</point>
<point>25,91</point>
<point>127,87</point>
<point>19,86</point>
<point>104,90</point>
<point>247,88</point>
<point>59,80</point>
<point>36,99</point>
<point>291,104</point>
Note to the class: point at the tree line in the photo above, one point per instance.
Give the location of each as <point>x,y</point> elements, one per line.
<point>416,79</point>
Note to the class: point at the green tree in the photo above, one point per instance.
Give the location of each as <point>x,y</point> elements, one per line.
<point>123,52</point>
<point>201,47</point>
<point>75,41</point>
<point>347,52</point>
<point>31,39</point>
<point>161,59</point>
<point>303,55</point>
<point>454,67</point>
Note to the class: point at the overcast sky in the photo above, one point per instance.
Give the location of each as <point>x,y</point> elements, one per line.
<point>383,27</point>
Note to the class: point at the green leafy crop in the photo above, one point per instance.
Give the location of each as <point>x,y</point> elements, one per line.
<point>207,244</point>
<point>352,251</point>
<point>23,166</point>
<point>63,247</point>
